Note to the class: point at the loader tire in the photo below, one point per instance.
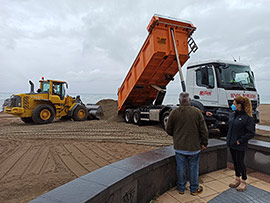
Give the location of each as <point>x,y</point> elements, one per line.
<point>43,114</point>
<point>27,120</point>
<point>80,113</point>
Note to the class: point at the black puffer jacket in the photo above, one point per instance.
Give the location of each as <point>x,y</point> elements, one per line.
<point>241,128</point>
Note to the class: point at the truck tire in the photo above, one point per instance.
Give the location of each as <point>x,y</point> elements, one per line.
<point>27,120</point>
<point>43,114</point>
<point>128,116</point>
<point>165,117</point>
<point>80,113</point>
<point>137,118</point>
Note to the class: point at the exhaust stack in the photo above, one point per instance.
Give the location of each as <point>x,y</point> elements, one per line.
<point>31,86</point>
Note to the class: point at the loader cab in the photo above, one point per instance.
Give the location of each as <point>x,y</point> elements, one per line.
<point>54,88</point>
<point>59,89</point>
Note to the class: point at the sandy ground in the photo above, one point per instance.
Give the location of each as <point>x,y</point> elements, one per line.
<point>35,159</point>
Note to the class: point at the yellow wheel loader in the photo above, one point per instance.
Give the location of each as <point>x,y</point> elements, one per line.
<point>49,102</point>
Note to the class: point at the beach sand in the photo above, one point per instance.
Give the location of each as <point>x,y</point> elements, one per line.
<point>35,159</point>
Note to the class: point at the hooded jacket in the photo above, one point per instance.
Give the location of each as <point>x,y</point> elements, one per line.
<point>241,127</point>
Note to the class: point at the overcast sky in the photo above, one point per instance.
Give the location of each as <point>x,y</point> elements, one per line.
<point>92,43</point>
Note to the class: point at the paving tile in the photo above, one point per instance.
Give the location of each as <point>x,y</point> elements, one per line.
<point>187,197</point>
<point>251,179</point>
<point>227,180</point>
<point>217,174</point>
<point>217,186</point>
<point>230,179</point>
<point>214,184</point>
<point>205,178</point>
<point>208,198</point>
<point>228,172</point>
<point>166,198</point>
<point>207,191</point>
<point>197,201</point>
<point>187,185</point>
<point>261,176</point>
<point>262,185</point>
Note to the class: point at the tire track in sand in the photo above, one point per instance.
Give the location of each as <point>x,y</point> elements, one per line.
<point>95,157</point>
<point>68,160</point>
<point>103,153</point>
<point>11,161</point>
<point>38,162</point>
<point>23,163</point>
<point>81,157</point>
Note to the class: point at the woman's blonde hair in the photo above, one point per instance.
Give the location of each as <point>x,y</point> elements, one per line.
<point>245,103</point>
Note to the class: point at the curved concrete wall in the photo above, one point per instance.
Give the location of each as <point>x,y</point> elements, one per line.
<point>257,157</point>
<point>135,179</point>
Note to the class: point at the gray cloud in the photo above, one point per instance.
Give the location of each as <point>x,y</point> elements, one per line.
<point>92,44</point>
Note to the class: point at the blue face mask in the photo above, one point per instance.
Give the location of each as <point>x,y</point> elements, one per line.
<point>233,107</point>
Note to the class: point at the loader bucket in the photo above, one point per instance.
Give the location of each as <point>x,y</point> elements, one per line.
<point>94,111</point>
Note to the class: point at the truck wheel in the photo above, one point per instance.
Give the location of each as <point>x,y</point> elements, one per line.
<point>165,117</point>
<point>137,118</point>
<point>80,113</point>
<point>27,120</point>
<point>128,116</point>
<point>43,114</point>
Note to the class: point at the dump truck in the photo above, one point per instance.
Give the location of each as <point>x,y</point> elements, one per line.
<point>49,102</point>
<point>162,55</point>
<point>212,84</point>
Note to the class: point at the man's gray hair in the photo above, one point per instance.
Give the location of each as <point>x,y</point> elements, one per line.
<point>184,98</point>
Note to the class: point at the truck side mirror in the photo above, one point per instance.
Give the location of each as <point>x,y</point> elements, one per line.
<point>204,74</point>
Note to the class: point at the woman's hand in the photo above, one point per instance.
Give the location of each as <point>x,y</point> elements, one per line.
<point>237,142</point>
<point>208,113</point>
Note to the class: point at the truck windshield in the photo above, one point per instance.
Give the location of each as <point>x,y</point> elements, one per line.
<point>236,77</point>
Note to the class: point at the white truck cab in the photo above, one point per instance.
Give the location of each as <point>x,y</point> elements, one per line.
<point>213,85</point>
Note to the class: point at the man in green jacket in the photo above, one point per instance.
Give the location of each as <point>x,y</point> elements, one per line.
<point>190,135</point>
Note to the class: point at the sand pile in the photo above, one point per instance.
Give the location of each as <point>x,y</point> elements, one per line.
<point>109,107</point>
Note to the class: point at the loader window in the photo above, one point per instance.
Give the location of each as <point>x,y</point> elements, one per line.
<point>59,89</point>
<point>45,87</point>
<point>63,91</point>
<point>204,80</point>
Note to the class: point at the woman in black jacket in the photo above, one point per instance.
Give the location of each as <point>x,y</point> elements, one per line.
<point>241,128</point>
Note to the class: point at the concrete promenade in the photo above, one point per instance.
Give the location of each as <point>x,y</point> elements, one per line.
<point>215,185</point>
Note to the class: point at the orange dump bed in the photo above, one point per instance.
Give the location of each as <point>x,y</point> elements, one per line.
<point>156,62</point>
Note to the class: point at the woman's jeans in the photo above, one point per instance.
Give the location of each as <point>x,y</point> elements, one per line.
<point>193,170</point>
<point>238,163</point>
